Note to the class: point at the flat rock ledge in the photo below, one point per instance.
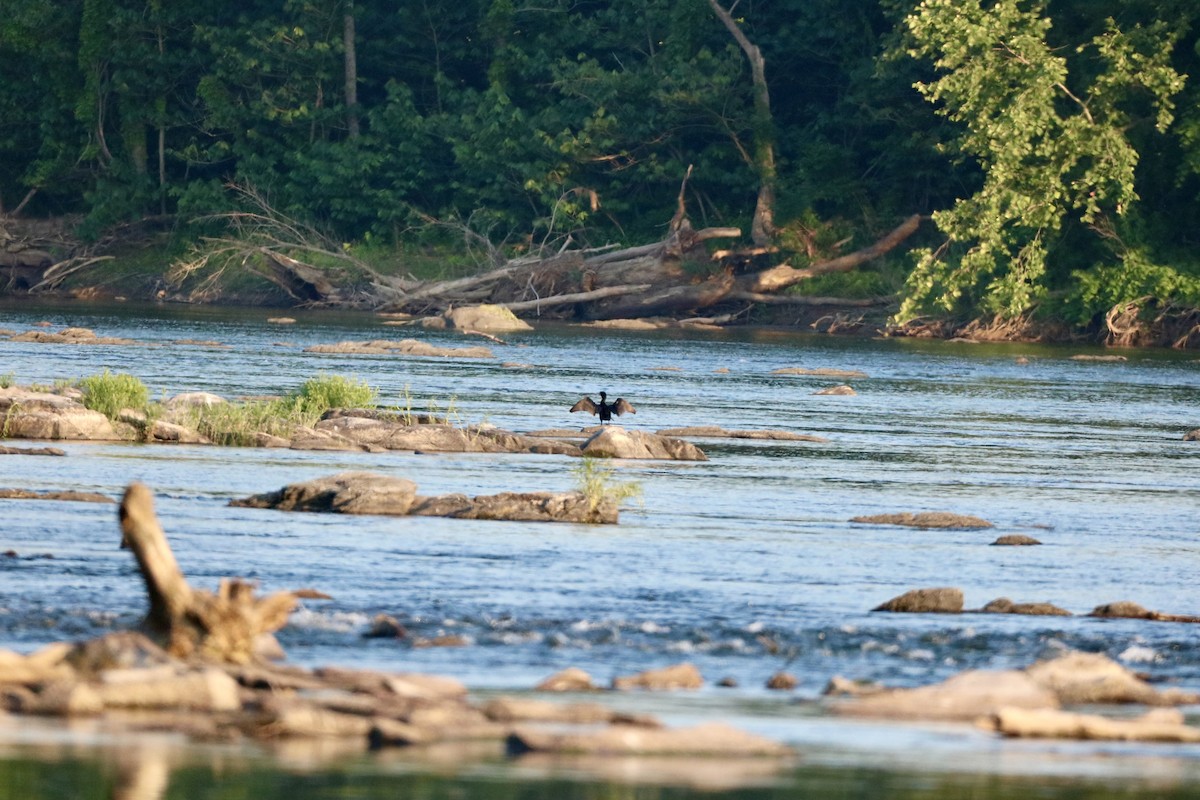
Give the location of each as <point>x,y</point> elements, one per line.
<point>402,347</point>
<point>925,519</point>
<point>69,495</point>
<point>125,682</point>
<point>717,432</point>
<point>68,336</point>
<point>31,451</point>
<point>31,414</point>
<point>1071,679</point>
<point>373,493</point>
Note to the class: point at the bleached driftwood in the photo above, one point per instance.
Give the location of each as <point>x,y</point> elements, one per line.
<point>226,626</point>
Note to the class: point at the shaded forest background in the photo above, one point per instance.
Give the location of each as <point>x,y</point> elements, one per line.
<point>1052,147</point>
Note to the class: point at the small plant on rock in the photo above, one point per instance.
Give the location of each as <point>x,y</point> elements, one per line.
<point>595,481</point>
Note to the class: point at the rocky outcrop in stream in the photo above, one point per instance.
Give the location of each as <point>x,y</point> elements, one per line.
<point>373,493</point>
<point>34,414</point>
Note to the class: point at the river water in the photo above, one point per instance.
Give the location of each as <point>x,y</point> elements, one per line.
<point>743,565</point>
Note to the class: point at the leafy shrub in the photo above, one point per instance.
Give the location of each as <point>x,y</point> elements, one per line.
<point>1099,289</point>
<point>108,393</point>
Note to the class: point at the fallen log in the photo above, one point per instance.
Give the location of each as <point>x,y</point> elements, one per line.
<point>224,627</point>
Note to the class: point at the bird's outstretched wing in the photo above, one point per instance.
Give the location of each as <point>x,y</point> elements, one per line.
<point>622,406</point>
<point>585,404</point>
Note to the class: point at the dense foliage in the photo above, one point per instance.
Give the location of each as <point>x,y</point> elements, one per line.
<point>1056,142</point>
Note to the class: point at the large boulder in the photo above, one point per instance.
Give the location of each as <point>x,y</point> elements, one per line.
<point>939,600</point>
<point>613,441</point>
<point>345,493</point>
<point>40,415</point>
<point>487,318</point>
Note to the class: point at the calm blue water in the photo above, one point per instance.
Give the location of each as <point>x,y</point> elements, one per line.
<point>744,565</point>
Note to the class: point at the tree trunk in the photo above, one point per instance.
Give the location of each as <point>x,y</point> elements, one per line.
<point>351,68</point>
<point>762,229</point>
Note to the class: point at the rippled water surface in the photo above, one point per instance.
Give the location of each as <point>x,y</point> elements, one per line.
<point>743,565</point>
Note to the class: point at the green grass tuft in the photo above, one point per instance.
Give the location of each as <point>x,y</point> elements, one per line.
<point>324,392</point>
<point>108,393</point>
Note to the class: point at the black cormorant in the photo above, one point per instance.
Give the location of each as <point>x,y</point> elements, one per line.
<point>604,408</point>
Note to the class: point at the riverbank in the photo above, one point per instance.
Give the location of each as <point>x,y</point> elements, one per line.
<point>137,268</point>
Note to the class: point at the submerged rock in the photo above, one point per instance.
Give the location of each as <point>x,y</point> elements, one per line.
<point>941,600</point>
<point>31,451</point>
<point>840,390</point>
<point>925,519</point>
<point>716,432</point>
<point>823,372</point>
<point>403,347</point>
<point>69,495</point>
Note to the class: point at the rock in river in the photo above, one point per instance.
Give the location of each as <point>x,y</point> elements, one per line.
<point>941,600</point>
<point>373,493</point>
<point>925,519</point>
<point>613,441</point>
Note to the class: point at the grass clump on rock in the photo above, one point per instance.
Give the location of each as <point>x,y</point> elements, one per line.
<point>108,393</point>
<point>324,392</point>
<point>240,424</point>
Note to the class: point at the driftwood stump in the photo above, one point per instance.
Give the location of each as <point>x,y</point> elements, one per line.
<point>226,627</point>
